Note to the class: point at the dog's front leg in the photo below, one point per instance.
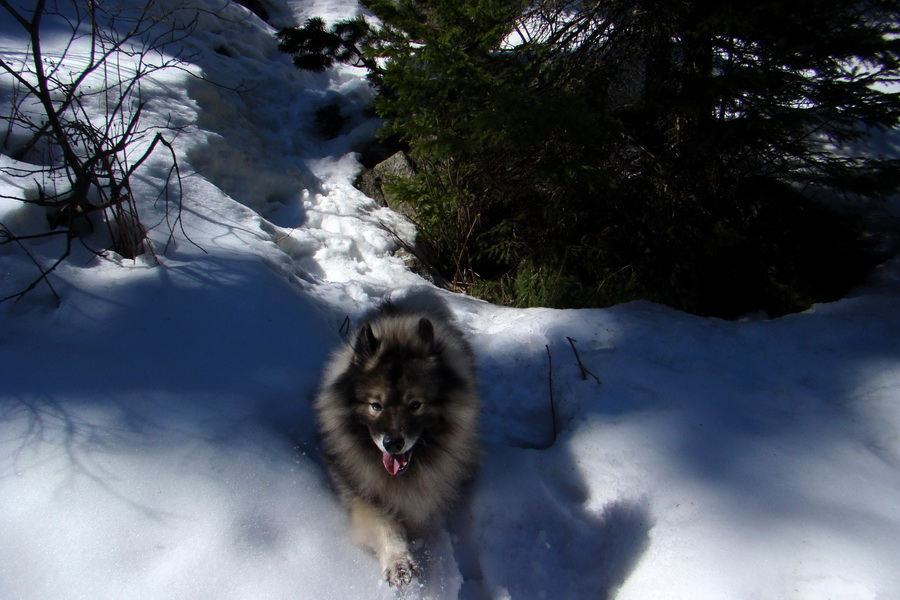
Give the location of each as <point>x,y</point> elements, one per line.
<point>386,537</point>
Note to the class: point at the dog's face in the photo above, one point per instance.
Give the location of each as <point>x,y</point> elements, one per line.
<point>397,395</point>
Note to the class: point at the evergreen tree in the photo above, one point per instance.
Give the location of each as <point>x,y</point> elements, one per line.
<point>586,153</point>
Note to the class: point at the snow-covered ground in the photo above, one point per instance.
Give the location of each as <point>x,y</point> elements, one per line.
<point>155,430</point>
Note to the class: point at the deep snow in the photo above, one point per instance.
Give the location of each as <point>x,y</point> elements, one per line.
<point>155,430</point>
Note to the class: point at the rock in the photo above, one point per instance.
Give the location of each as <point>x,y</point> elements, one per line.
<point>372,182</point>
<point>416,263</point>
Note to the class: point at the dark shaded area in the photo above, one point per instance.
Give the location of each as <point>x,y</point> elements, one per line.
<point>256,7</point>
<point>629,149</point>
<point>544,541</point>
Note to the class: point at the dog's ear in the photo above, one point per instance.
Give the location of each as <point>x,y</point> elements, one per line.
<point>426,333</point>
<point>366,344</point>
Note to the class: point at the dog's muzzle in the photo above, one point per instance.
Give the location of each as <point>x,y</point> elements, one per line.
<point>393,456</point>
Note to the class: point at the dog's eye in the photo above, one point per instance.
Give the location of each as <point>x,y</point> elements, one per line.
<point>414,405</point>
<point>376,406</point>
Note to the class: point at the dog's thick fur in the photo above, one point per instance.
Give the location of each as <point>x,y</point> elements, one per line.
<point>397,413</point>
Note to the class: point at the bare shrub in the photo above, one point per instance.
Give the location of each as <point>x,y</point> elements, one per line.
<point>74,123</point>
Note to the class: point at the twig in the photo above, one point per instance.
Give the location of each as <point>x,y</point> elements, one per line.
<point>550,385</point>
<point>584,370</point>
<point>286,235</point>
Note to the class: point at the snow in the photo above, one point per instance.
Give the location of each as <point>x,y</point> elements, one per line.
<point>155,428</point>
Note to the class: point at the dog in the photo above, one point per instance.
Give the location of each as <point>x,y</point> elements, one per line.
<point>397,413</point>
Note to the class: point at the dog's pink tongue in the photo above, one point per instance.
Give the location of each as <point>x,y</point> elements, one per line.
<point>391,464</point>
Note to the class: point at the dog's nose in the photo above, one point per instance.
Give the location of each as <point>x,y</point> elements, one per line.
<point>393,445</point>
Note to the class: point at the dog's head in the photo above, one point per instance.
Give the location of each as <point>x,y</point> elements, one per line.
<point>398,391</point>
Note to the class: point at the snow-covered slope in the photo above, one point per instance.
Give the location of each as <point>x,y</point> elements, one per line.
<point>155,430</point>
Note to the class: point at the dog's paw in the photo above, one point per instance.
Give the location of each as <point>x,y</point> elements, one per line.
<point>401,573</point>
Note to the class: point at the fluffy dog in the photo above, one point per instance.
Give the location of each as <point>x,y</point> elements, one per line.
<point>397,412</point>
